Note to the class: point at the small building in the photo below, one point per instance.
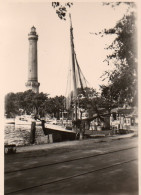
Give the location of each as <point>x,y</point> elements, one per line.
<point>124,119</point>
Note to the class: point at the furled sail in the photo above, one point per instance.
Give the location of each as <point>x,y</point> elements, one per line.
<point>76,83</point>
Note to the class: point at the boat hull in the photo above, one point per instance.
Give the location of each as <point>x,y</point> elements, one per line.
<point>59,133</point>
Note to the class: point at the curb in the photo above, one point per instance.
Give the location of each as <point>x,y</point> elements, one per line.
<point>21,149</point>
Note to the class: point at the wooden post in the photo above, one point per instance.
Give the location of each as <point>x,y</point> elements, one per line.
<point>32,133</point>
<point>43,126</point>
<point>82,130</point>
<point>81,135</point>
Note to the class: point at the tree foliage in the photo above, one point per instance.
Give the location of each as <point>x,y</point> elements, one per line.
<point>90,101</point>
<point>11,106</point>
<point>55,105</point>
<point>61,9</point>
<point>29,102</point>
<point>122,85</point>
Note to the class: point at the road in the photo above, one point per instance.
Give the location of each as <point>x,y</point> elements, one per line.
<point>85,167</point>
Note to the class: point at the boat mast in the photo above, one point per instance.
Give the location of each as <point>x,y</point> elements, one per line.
<point>73,68</point>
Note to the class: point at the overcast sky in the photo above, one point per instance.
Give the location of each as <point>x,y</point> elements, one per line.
<point>17,18</point>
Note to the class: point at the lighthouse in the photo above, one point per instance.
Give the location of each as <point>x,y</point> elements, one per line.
<point>32,82</point>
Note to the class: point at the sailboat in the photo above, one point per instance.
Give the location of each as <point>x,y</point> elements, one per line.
<point>79,83</point>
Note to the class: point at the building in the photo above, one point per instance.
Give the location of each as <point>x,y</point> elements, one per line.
<point>120,120</point>
<point>124,119</point>
<point>32,82</point>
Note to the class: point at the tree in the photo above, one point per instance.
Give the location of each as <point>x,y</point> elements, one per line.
<point>122,85</point>
<point>11,108</point>
<point>55,105</point>
<point>109,98</point>
<point>89,100</point>
<point>61,9</point>
<point>27,101</point>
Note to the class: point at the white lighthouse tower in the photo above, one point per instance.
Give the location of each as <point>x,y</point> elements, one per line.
<point>32,82</point>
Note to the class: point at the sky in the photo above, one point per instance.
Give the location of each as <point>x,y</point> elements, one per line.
<point>17,18</point>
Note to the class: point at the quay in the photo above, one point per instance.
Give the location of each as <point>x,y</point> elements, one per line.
<point>90,166</point>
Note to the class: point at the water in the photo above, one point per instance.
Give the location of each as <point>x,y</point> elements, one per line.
<point>20,134</point>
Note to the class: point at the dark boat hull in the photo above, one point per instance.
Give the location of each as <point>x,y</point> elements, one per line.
<point>59,136</point>
<point>58,133</point>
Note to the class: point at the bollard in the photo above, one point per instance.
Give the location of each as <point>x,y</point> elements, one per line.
<point>81,136</point>
<point>50,136</point>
